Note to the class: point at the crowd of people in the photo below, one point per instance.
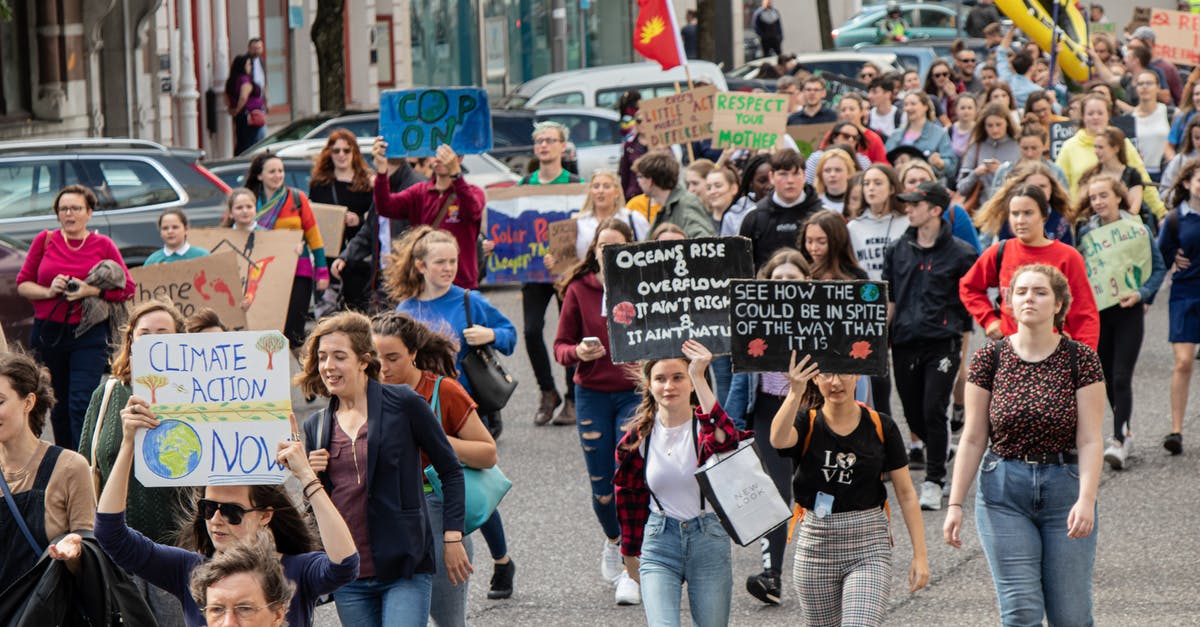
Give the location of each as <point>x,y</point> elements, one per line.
<point>940,186</point>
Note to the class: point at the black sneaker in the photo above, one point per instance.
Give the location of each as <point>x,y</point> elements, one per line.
<point>502,580</point>
<point>764,587</point>
<point>1173,443</point>
<point>956,419</point>
<point>916,459</point>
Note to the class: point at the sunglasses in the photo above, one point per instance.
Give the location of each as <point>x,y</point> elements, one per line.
<point>231,512</point>
<point>850,136</point>
<point>967,60</point>
<point>340,151</point>
<point>941,74</point>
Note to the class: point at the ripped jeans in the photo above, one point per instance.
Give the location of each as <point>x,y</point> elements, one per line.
<point>600,418</point>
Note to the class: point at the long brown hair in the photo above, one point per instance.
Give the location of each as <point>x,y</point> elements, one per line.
<point>979,134</point>
<point>1085,210</point>
<point>401,278</point>
<point>322,172</point>
<point>894,204</point>
<point>781,257</point>
<point>643,417</point>
<point>357,328</point>
<point>292,530</point>
<point>432,352</point>
<point>590,263</point>
<point>1115,138</point>
<point>120,366</point>
<point>840,259</point>
<point>994,214</point>
<point>1179,189</point>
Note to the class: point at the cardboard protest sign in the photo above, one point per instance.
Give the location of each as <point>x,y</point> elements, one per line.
<point>842,324</point>
<point>331,222</point>
<point>1176,36</point>
<point>679,118</point>
<point>1118,260</point>
<point>212,282</point>
<point>518,221</point>
<point>808,136</point>
<point>658,294</point>
<point>416,121</point>
<point>266,264</point>
<point>746,120</point>
<point>562,244</point>
<point>223,400</point>
<point>1060,132</point>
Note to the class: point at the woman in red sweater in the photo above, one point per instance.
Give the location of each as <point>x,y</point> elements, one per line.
<point>1028,209</point>
<point>605,394</point>
<point>73,296</point>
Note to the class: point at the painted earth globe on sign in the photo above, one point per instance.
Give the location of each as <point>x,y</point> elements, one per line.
<point>172,450</point>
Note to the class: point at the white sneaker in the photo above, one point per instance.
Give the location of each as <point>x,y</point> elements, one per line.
<point>931,496</point>
<point>1128,443</point>
<point>611,566</point>
<point>628,590</point>
<point>1116,455</point>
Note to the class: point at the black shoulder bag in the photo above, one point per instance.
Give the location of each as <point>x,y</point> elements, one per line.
<point>491,384</point>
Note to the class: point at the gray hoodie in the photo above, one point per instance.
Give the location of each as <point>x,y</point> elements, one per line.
<point>1005,151</point>
<point>870,236</point>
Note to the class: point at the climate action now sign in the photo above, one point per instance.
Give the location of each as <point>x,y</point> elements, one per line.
<point>744,120</point>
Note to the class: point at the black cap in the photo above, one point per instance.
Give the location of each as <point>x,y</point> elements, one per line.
<point>906,149</point>
<point>931,191</point>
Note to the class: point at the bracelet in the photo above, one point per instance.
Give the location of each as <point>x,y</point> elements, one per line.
<point>958,505</point>
<point>304,491</point>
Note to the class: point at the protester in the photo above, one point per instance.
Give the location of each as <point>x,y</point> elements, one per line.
<point>1000,93</point>
<point>980,16</point>
<point>1035,403</point>
<point>843,564</point>
<point>242,582</point>
<point>1122,325</point>
<point>1111,161</point>
<point>695,176</point>
<point>658,176</point>
<point>854,206</point>
<point>1184,114</point>
<point>1041,104</point>
<point>1018,74</point>
<point>993,143</point>
<point>885,118</point>
<point>726,205</point>
<point>1034,143</point>
<point>173,228</point>
<point>382,500</point>
<point>153,512</point>
<point>246,102</point>
<point>927,322</point>
<point>923,133</point>
<point>413,355</point>
<point>667,232</point>
<point>204,320</point>
<point>1028,211</point>
<point>50,486</point>
<point>78,285</point>
<point>676,540</point>
<point>965,63</point>
<point>883,222</point>
<point>447,202</point>
<point>917,171</point>
<point>1189,150</point>
<point>1078,154</point>
<point>244,511</point>
<point>281,207</point>
<point>833,178</point>
<point>1179,243</point>
<point>755,183</point>
<point>942,90</point>
<point>241,210</point>
<point>992,218</point>
<point>1152,123</point>
<point>853,108</point>
<point>634,147</point>
<point>340,176</point>
<point>966,109</point>
<point>847,136</point>
<point>606,393</point>
<point>1144,36</point>
<point>777,221</point>
<point>814,111</point>
<point>825,243</point>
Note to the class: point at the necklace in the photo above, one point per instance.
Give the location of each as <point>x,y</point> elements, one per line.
<point>86,234</point>
<point>673,436</point>
<point>23,471</point>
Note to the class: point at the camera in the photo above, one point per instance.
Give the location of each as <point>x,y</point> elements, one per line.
<point>72,286</point>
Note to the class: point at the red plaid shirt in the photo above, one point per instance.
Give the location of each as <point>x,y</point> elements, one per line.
<point>632,493</point>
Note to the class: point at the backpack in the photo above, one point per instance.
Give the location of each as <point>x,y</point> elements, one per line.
<point>798,511</point>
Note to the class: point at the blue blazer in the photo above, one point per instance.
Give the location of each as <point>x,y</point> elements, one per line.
<point>400,425</point>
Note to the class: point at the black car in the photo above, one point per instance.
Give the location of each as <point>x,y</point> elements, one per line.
<point>134,182</point>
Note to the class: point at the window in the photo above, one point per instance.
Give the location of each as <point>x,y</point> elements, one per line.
<point>572,98</point>
<point>383,50</point>
<point>278,55</point>
<point>363,127</point>
<point>587,131</point>
<point>930,18</point>
<point>509,130</point>
<point>28,188</point>
<point>126,183</point>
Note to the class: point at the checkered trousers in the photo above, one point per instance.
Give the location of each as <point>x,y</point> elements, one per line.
<point>843,568</point>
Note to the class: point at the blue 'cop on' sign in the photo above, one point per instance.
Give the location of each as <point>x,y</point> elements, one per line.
<point>414,122</point>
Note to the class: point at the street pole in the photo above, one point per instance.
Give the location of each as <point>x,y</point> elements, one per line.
<point>187,96</point>
<point>223,142</point>
<point>558,36</point>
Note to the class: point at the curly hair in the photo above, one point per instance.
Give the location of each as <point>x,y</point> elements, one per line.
<point>26,376</point>
<point>357,328</point>
<point>255,556</point>
<point>120,365</point>
<point>590,263</point>
<point>322,172</point>
<point>1179,189</point>
<point>432,352</point>
<point>401,278</point>
<point>992,216</point>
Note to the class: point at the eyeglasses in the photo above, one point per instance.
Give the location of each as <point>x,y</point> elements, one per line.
<point>828,378</point>
<point>231,512</point>
<point>340,151</point>
<point>72,209</point>
<point>866,76</point>
<point>216,613</point>
<point>941,74</point>
<point>548,140</point>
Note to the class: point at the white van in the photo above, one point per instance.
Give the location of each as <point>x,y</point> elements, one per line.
<point>603,86</point>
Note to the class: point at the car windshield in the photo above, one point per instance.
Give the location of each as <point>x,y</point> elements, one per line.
<point>292,132</point>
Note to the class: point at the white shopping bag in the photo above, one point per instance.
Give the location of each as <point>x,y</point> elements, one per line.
<point>736,485</point>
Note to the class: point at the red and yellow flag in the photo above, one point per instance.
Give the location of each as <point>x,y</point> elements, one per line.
<point>656,33</point>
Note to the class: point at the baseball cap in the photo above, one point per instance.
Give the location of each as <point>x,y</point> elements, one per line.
<point>931,191</point>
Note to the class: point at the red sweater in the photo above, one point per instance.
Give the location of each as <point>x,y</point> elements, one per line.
<point>580,317</point>
<point>1083,320</point>
<point>48,259</point>
<point>421,203</point>
<point>875,150</point>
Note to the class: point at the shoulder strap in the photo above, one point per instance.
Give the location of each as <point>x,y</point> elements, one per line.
<point>450,198</point>
<point>435,400</point>
<point>108,388</point>
<point>46,468</point>
<point>646,462</point>
<point>51,457</point>
<point>574,178</point>
<point>812,422</point>
<point>467,306</point>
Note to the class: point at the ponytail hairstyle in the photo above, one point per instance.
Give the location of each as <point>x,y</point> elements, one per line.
<point>26,376</point>
<point>590,263</point>
<point>401,278</point>
<point>432,352</point>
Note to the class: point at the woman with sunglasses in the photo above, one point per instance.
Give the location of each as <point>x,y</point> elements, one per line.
<point>868,73</point>
<point>845,135</point>
<point>340,176</point>
<point>853,108</point>
<point>943,90</point>
<point>223,516</point>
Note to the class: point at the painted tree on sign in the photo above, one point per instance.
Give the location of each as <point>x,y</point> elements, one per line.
<point>271,344</point>
<point>154,382</point>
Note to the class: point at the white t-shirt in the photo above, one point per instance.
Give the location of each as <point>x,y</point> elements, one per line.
<point>670,471</point>
<point>885,123</point>
<point>1152,131</point>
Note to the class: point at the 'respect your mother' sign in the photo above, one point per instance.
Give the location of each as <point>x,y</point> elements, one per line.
<point>658,294</point>
<point>518,222</point>
<point>1118,260</point>
<point>223,401</point>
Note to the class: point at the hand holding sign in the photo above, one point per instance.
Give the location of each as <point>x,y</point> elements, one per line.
<point>290,455</point>
<point>136,415</point>
<point>379,154</point>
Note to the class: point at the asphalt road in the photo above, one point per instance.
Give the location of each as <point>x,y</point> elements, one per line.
<point>1145,565</point>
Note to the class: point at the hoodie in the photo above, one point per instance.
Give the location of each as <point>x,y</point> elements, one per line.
<point>731,221</point>
<point>774,225</point>
<point>923,284</point>
<point>870,235</point>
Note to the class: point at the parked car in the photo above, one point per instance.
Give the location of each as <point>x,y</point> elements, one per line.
<point>319,126</point>
<point>296,171</point>
<point>16,313</point>
<point>925,20</point>
<point>920,54</point>
<point>602,86</point>
<point>134,181</point>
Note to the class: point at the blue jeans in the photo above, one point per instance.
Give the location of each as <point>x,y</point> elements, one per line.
<point>448,603</point>
<point>1021,515</point>
<point>76,365</point>
<point>370,602</point>
<point>600,418</point>
<point>695,551</point>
